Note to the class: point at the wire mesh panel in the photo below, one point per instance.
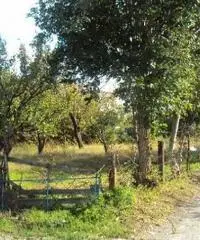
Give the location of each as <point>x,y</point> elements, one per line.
<point>30,192</point>
<point>48,193</point>
<point>70,190</point>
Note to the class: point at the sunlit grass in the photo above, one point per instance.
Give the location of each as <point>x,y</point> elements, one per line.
<point>65,152</point>
<point>77,162</point>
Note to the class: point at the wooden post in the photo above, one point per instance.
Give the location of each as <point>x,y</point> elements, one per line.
<point>2,184</point>
<point>112,173</point>
<point>188,153</point>
<point>161,159</point>
<point>3,181</point>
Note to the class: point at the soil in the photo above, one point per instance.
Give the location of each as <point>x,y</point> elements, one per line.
<point>184,224</point>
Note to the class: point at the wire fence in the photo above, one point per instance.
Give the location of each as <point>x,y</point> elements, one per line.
<point>48,192</point>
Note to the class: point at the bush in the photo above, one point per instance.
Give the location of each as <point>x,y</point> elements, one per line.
<point>120,198</point>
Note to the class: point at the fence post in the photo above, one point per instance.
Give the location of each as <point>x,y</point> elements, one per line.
<point>2,193</point>
<point>112,173</point>
<point>3,183</point>
<point>47,187</point>
<point>161,159</point>
<point>97,185</point>
<point>188,153</point>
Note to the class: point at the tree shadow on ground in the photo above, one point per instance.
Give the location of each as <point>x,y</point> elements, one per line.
<point>85,163</point>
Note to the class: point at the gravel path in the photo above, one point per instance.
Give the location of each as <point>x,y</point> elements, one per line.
<point>184,225</point>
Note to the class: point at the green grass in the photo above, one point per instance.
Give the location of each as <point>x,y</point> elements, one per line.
<point>67,154</point>
<point>66,161</point>
<point>127,212</point>
<point>101,219</point>
<point>123,213</point>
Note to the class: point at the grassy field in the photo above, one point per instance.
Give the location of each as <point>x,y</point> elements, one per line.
<point>129,211</point>
<point>71,158</point>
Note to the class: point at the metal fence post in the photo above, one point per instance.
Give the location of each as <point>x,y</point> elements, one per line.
<point>97,183</point>
<point>47,189</point>
<point>47,194</point>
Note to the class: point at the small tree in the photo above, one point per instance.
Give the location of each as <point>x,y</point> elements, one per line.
<point>42,117</point>
<point>109,121</point>
<point>17,89</point>
<point>79,108</point>
<point>61,111</point>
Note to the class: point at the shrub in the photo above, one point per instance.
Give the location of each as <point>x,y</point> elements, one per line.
<point>120,198</point>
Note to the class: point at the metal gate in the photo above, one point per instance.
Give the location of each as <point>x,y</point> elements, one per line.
<point>49,193</point>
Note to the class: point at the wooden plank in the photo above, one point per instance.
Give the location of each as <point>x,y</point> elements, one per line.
<point>32,192</point>
<point>54,191</point>
<point>71,200</point>
<point>83,191</point>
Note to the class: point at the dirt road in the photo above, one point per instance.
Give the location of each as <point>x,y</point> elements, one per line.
<point>183,225</point>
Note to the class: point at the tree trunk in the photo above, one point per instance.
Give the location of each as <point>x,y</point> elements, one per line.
<point>105,146</point>
<point>144,160</point>
<point>7,146</point>
<point>6,169</point>
<point>77,131</point>
<point>103,141</point>
<point>41,143</point>
<point>1,144</point>
<point>172,142</point>
<point>135,125</point>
